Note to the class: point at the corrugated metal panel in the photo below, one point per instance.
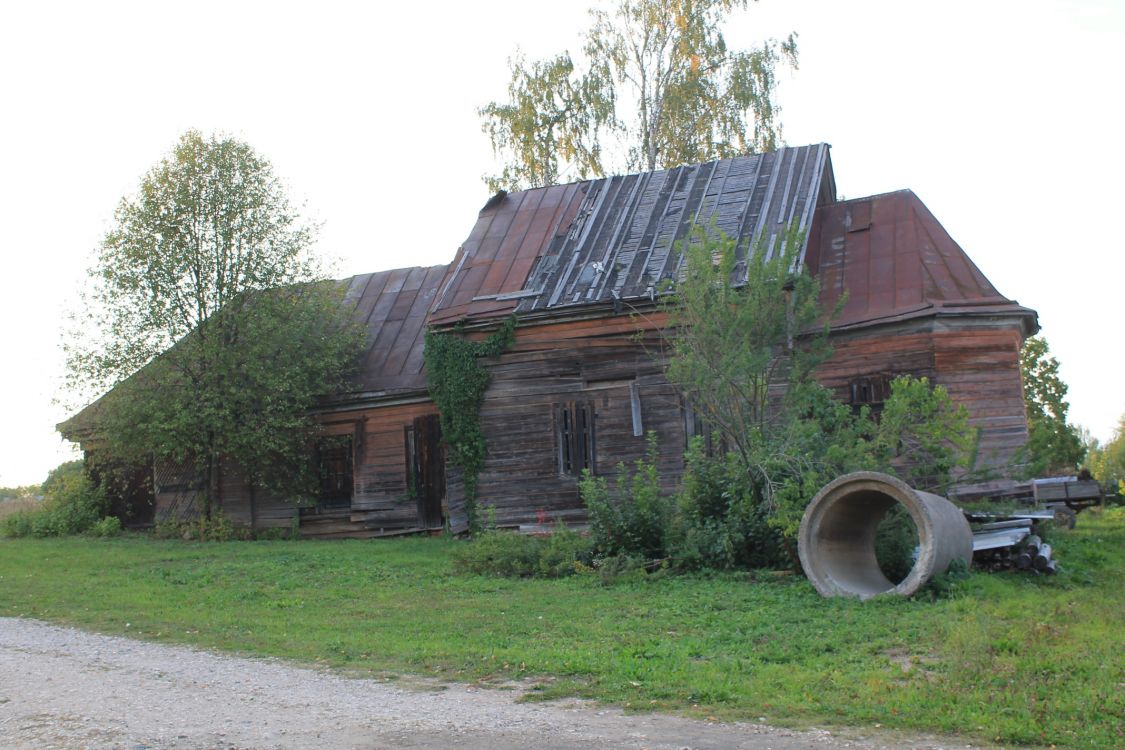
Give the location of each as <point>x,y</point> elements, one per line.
<point>618,237</point>
<point>625,240</point>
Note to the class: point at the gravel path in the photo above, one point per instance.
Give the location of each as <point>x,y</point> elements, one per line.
<point>64,688</point>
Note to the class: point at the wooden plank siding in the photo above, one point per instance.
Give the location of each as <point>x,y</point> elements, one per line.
<point>589,362</point>
<point>382,503</point>
<point>978,365</point>
<point>980,368</point>
<point>599,361</point>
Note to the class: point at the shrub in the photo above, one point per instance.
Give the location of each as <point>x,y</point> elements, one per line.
<point>719,523</point>
<point>896,538</point>
<point>72,505</point>
<point>634,518</point>
<point>563,552</point>
<point>19,524</point>
<point>511,554</point>
<point>107,527</point>
<point>166,530</point>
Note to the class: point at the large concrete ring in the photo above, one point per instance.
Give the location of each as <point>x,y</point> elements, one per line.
<point>836,542</point>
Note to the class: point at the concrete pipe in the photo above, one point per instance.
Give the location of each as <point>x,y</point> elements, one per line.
<point>836,542</point>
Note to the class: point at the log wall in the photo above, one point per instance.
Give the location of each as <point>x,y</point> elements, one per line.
<point>599,363</point>
<point>980,368</point>
<point>382,503</point>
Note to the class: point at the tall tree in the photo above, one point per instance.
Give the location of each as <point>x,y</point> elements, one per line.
<point>1107,462</point>
<point>1053,444</point>
<point>210,320</point>
<point>746,335</point>
<point>660,82</point>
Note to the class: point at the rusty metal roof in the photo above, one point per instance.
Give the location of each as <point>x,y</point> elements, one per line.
<point>893,259</point>
<point>616,238</point>
<point>393,305</point>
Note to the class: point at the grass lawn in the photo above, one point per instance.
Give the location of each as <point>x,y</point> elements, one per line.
<point>1008,658</point>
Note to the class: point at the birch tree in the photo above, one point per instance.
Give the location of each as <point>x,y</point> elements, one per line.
<point>659,88</point>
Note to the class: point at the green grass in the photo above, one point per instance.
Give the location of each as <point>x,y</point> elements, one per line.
<point>1007,658</point>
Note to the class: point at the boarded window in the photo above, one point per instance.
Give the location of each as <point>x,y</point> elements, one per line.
<point>695,425</point>
<point>575,438</point>
<point>334,466</point>
<point>870,391</point>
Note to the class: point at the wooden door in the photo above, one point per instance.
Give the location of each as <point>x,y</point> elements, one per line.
<point>426,461</point>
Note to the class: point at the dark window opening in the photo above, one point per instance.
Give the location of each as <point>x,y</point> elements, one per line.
<point>334,466</point>
<point>425,468</point>
<point>574,434</point>
<point>696,425</point>
<point>871,391</point>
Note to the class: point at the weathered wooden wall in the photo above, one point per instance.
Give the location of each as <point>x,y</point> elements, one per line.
<point>977,364</point>
<point>179,497</point>
<point>596,362</point>
<point>980,368</point>
<point>381,500</point>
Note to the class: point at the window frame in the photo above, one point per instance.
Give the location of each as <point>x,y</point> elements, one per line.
<point>336,481</point>
<point>575,430</point>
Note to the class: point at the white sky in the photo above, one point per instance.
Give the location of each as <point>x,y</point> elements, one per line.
<point>1004,117</point>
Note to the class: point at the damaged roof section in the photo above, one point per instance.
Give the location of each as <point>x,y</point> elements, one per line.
<point>618,238</point>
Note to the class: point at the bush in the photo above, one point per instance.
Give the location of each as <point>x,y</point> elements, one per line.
<point>719,523</point>
<point>19,524</point>
<point>219,529</point>
<point>511,554</point>
<point>107,527</point>
<point>635,517</point>
<point>896,538</point>
<point>72,505</point>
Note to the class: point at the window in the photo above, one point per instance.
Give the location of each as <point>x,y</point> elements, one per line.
<point>334,466</point>
<point>870,391</point>
<point>574,437</point>
<point>695,425</point>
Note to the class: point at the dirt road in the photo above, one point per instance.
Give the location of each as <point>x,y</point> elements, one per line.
<point>63,688</point>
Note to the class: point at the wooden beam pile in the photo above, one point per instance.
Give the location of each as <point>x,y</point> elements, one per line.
<point>1011,543</point>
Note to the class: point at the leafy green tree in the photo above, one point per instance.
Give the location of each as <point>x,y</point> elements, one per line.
<point>210,321</point>
<point>660,88</point>
<point>1107,462</point>
<point>1053,444</point>
<point>740,347</point>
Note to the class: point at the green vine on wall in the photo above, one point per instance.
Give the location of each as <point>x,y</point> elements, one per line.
<point>457,383</point>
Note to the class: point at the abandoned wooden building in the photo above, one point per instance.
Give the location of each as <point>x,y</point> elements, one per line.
<point>583,266</point>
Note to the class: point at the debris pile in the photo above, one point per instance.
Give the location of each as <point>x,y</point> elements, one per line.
<point>1012,543</point>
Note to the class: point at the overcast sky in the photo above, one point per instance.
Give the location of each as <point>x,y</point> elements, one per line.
<point>1004,117</point>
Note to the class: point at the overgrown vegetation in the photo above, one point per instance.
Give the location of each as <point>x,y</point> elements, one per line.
<point>457,382</point>
<point>218,528</point>
<point>507,553</point>
<point>211,325</point>
<point>71,504</point>
<point>1054,445</point>
<point>746,336</point>
<point>1003,657</point>
<point>1107,463</point>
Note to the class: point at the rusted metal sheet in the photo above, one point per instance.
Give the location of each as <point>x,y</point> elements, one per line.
<point>392,305</point>
<point>892,259</point>
<point>619,238</point>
